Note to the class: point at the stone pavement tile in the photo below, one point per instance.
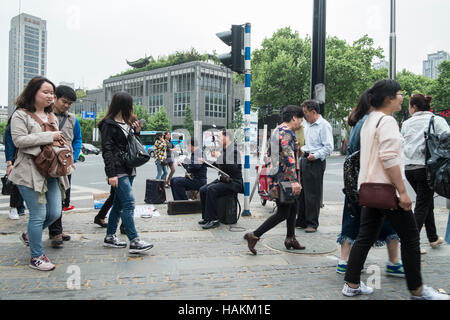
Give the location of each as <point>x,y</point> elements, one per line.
<point>189,263</point>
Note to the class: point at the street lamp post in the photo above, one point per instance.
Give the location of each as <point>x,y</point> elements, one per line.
<point>393,43</point>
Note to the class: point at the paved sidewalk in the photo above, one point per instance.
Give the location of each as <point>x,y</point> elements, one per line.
<point>190,263</point>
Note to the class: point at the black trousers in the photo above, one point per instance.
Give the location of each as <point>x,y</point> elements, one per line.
<point>180,185</point>
<point>66,201</point>
<point>424,209</point>
<point>311,177</point>
<point>208,197</point>
<point>404,224</point>
<point>16,200</point>
<point>107,205</point>
<point>286,212</point>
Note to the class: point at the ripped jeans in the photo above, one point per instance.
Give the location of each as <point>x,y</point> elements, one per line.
<point>123,208</point>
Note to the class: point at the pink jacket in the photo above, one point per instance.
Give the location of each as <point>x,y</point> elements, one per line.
<point>381,148</point>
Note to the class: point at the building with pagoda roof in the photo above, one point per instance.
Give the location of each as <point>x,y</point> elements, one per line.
<point>208,89</point>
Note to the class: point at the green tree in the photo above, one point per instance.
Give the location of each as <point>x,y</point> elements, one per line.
<point>143,114</point>
<point>160,121</point>
<point>411,84</point>
<point>441,88</point>
<point>349,72</point>
<point>3,125</point>
<point>188,121</point>
<point>87,126</point>
<point>280,69</point>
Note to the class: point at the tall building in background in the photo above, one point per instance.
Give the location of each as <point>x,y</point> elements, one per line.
<point>430,66</point>
<point>27,53</point>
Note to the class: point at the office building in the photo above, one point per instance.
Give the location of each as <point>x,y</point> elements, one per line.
<point>207,89</point>
<point>430,66</point>
<point>27,53</point>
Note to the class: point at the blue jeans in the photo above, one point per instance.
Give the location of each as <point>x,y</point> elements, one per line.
<point>447,234</point>
<point>351,224</point>
<point>41,215</point>
<point>162,171</point>
<point>123,208</point>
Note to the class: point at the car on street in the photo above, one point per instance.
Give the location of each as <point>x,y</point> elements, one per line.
<point>87,148</point>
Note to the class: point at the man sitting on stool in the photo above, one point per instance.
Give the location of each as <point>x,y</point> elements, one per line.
<point>229,161</point>
<point>196,173</point>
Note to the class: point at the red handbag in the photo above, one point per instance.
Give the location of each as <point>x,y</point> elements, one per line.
<point>378,195</point>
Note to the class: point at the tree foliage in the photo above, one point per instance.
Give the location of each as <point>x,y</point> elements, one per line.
<point>441,88</point>
<point>280,69</point>
<point>178,57</point>
<point>160,121</point>
<point>188,121</point>
<point>281,73</point>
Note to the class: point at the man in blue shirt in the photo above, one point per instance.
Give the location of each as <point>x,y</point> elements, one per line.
<point>70,128</point>
<point>318,146</point>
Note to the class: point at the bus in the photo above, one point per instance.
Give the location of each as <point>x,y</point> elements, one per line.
<point>148,140</point>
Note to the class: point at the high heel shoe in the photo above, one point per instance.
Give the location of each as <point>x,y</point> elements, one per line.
<point>293,243</point>
<point>251,241</point>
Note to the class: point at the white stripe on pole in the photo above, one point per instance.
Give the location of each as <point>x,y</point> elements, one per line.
<point>247,43</point>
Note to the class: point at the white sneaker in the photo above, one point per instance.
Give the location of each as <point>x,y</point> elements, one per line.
<point>13,214</point>
<point>41,263</point>
<point>429,293</point>
<point>362,289</point>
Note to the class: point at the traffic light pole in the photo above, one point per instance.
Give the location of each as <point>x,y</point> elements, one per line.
<point>247,57</point>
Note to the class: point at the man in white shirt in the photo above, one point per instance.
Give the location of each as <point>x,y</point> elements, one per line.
<point>318,146</point>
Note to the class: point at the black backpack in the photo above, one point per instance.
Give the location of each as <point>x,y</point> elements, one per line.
<point>437,156</point>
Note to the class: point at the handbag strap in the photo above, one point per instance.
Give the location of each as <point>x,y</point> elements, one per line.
<point>51,119</point>
<point>431,124</point>
<point>373,141</point>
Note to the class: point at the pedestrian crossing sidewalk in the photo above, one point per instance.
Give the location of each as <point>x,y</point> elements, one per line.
<point>81,197</point>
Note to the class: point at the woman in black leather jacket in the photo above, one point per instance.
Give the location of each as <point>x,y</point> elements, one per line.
<point>115,126</point>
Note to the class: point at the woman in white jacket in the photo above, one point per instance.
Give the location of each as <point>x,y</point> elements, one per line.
<point>414,159</point>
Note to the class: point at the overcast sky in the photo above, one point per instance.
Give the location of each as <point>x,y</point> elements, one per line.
<point>89,40</point>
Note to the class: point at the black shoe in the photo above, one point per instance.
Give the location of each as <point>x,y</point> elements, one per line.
<point>137,246</point>
<point>100,222</point>
<point>211,224</point>
<point>113,242</point>
<point>122,229</point>
<point>203,222</point>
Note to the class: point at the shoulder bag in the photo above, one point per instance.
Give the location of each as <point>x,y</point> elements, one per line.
<point>378,195</point>
<point>136,155</point>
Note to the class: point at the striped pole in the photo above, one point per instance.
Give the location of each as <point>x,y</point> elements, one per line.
<point>247,43</point>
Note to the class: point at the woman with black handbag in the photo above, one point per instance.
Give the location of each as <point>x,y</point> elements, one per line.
<point>381,165</point>
<point>282,175</point>
<point>116,125</point>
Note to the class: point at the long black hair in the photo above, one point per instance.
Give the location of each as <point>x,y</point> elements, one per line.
<point>374,97</point>
<point>120,102</point>
<point>26,98</point>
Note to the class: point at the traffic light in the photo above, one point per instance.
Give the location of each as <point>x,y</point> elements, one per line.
<point>234,38</point>
<point>237,105</point>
